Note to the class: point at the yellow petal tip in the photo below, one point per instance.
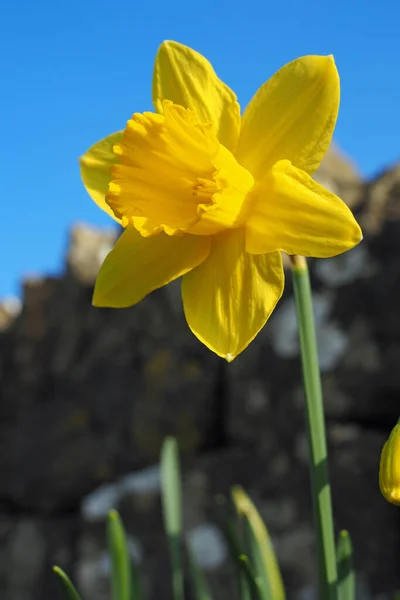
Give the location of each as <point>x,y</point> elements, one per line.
<point>358,235</point>
<point>96,301</point>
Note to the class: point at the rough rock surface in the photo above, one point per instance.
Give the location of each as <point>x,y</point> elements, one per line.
<point>87,396</point>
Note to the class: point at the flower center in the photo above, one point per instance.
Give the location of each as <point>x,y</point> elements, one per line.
<point>174,176</point>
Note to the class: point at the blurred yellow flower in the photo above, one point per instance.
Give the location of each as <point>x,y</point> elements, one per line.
<point>213,196</point>
<point>389,470</point>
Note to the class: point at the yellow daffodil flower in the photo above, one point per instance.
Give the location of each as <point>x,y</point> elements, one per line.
<point>389,469</point>
<point>207,194</point>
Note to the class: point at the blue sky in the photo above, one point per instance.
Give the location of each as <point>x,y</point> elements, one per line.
<point>72,72</point>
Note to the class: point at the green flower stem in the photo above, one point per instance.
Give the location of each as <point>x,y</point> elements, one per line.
<point>320,487</point>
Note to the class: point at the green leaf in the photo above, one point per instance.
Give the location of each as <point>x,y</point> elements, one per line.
<point>171,501</point>
<point>198,581</point>
<point>66,585</point>
<point>344,559</point>
<point>124,581</point>
<point>261,551</point>
<point>236,554</point>
<point>252,580</point>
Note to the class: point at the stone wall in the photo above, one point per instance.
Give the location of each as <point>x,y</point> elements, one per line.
<point>88,395</point>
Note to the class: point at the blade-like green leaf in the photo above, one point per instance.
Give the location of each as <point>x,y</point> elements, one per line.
<point>252,580</point>
<point>66,585</point>
<point>171,501</point>
<point>344,559</point>
<point>197,579</point>
<point>262,554</point>
<point>236,553</point>
<point>121,568</point>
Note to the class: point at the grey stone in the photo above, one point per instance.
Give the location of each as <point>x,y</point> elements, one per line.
<point>88,395</point>
<point>29,546</point>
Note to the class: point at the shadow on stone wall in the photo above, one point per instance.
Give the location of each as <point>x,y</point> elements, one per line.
<point>88,395</point>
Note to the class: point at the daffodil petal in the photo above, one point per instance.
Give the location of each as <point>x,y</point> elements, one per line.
<point>289,211</point>
<point>136,266</point>
<point>95,167</point>
<point>292,116</point>
<point>187,78</point>
<point>229,297</point>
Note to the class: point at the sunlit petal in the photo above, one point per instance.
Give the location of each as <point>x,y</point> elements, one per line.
<point>136,266</point>
<point>187,78</point>
<point>289,211</point>
<point>292,116</point>
<point>95,169</point>
<point>229,297</point>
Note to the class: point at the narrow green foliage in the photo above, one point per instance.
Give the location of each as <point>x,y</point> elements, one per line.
<point>235,551</point>
<point>121,570</point>
<point>197,579</point>
<point>320,486</point>
<point>171,501</point>
<point>253,581</point>
<point>346,576</point>
<point>68,590</point>
<point>262,553</point>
